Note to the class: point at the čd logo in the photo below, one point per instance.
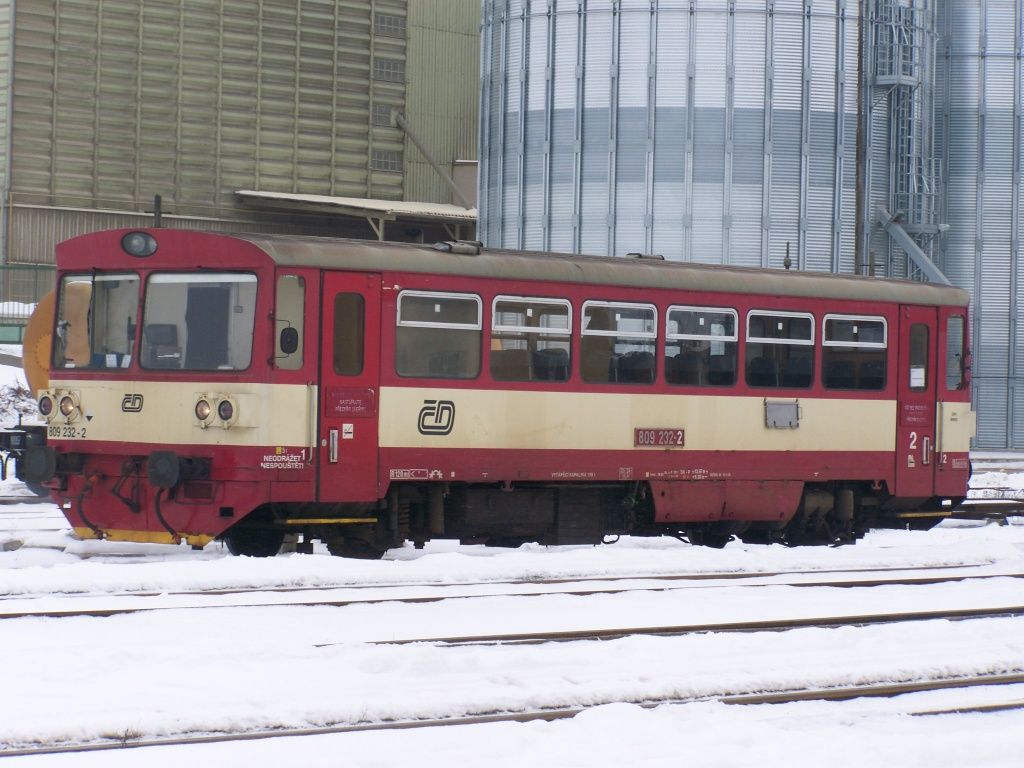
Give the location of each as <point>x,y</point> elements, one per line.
<point>132,403</point>
<point>437,417</point>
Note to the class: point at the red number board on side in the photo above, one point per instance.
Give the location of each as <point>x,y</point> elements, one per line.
<point>658,437</point>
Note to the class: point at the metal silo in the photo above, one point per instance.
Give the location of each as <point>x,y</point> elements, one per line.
<point>711,131</point>
<point>981,101</point>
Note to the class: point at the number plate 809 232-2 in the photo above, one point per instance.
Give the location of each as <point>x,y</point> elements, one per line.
<point>658,437</point>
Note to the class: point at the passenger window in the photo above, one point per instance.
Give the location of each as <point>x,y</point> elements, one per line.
<point>530,339</point>
<point>918,357</point>
<point>854,352</point>
<point>349,332</point>
<point>438,335</point>
<point>289,312</point>
<point>700,346</point>
<point>618,342</point>
<point>780,349</point>
<point>955,353</point>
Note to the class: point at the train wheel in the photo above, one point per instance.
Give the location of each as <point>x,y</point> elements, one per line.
<point>253,542</point>
<point>360,549</point>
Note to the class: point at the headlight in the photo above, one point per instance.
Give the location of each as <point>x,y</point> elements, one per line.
<point>45,405</point>
<point>203,409</point>
<point>67,405</point>
<point>225,410</point>
<point>139,244</point>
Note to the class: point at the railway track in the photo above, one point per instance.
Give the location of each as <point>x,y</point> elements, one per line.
<point>639,585</point>
<point>537,581</point>
<point>770,625</point>
<point>747,698</point>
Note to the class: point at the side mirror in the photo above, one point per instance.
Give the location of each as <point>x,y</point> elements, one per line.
<point>289,341</point>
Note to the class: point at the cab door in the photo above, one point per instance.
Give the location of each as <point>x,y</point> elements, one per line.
<point>915,418</point>
<point>349,378</point>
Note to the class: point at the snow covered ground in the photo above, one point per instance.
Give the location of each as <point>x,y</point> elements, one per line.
<point>176,671</point>
<point>173,671</point>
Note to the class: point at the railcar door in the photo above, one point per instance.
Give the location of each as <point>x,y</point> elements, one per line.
<point>349,386</point>
<point>915,418</point>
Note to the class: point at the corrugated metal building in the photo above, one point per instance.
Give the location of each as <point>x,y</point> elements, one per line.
<point>708,131</point>
<point>981,102</point>
<point>106,103</point>
<point>879,135</point>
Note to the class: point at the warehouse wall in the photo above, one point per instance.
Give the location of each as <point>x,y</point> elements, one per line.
<point>982,99</point>
<point>444,65</point>
<point>117,101</point>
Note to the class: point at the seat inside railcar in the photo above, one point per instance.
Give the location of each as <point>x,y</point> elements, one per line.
<point>160,347</point>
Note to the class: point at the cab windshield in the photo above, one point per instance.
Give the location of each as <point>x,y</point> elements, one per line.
<point>96,321</point>
<point>198,321</point>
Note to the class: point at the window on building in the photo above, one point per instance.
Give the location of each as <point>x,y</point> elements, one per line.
<point>388,70</point>
<point>700,346</point>
<point>438,335</point>
<point>388,25</point>
<point>386,160</point>
<point>617,344</point>
<point>381,115</point>
<point>780,349</point>
<point>530,339</point>
<point>854,352</point>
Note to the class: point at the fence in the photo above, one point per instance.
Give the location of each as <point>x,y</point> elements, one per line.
<point>21,287</point>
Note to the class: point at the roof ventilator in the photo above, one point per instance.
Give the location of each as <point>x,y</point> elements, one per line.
<point>462,247</point>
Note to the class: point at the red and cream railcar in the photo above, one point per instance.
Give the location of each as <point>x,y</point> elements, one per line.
<point>366,394</point>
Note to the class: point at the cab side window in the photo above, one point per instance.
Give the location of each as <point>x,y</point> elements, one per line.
<point>955,353</point>
<point>289,313</point>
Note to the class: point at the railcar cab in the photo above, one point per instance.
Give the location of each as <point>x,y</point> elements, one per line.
<point>180,385</point>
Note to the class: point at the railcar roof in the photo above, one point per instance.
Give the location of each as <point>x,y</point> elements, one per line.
<point>376,256</point>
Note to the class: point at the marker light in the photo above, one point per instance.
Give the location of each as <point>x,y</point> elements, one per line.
<point>225,410</point>
<point>203,409</point>
<point>67,405</point>
<point>45,405</point>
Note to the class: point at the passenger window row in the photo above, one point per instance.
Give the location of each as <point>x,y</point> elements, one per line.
<point>439,335</point>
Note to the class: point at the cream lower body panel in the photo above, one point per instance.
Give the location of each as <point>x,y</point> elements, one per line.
<point>164,412</point>
<point>547,420</point>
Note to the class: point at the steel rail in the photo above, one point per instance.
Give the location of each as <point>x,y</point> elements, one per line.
<point>843,693</point>
<point>698,576</point>
<point>769,625</point>
<point>62,613</point>
<point>1002,706</point>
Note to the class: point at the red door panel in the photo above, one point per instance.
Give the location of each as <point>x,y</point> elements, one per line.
<point>349,377</point>
<point>915,417</point>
